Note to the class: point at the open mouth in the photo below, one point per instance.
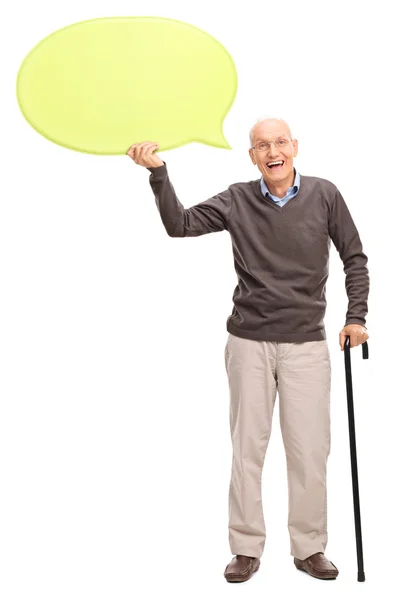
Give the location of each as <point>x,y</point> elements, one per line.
<point>275,165</point>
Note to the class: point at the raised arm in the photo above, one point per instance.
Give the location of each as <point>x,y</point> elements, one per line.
<point>206,217</point>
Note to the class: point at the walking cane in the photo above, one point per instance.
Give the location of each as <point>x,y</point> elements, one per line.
<point>353,454</point>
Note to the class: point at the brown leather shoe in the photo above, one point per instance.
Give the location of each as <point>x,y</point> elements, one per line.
<point>241,568</point>
<point>317,565</point>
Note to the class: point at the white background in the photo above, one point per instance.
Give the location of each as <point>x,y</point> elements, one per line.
<point>115,444</point>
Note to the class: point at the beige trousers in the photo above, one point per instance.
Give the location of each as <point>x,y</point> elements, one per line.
<point>301,374</point>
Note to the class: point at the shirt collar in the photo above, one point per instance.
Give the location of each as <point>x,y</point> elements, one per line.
<point>296,184</point>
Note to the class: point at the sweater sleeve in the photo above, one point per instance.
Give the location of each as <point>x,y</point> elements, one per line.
<point>347,241</point>
<point>206,217</point>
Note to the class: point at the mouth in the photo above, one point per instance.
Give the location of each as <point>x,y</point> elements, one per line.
<point>275,165</point>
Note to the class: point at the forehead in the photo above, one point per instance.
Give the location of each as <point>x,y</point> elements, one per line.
<point>270,130</point>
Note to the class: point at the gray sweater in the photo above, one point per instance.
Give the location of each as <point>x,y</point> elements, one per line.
<point>281,254</point>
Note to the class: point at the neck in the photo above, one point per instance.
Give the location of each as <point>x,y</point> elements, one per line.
<point>280,188</point>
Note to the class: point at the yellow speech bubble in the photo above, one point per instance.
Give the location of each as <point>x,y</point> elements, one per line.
<point>99,86</point>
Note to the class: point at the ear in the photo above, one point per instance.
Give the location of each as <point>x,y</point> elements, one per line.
<point>295,147</point>
<point>252,156</point>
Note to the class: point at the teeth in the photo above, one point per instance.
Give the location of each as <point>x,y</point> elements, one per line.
<point>276,162</point>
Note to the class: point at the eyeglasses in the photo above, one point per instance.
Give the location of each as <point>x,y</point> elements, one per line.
<point>263,146</point>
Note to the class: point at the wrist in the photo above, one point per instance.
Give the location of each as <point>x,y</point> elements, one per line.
<point>158,168</point>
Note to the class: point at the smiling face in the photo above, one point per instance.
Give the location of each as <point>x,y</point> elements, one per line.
<point>267,131</point>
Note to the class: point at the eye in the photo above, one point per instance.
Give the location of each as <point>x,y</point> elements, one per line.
<point>262,146</point>
<point>282,143</point>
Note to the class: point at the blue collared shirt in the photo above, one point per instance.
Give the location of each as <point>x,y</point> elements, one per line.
<point>292,191</point>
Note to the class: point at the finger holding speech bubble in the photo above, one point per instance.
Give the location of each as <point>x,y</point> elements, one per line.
<point>96,85</point>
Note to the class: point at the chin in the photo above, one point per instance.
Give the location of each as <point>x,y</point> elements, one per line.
<point>276,176</point>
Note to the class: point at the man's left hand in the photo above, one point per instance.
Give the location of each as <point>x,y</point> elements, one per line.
<point>358,335</point>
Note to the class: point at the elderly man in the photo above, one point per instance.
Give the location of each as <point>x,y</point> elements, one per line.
<point>281,226</point>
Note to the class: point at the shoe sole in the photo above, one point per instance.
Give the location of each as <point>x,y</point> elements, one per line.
<point>237,579</point>
<point>316,576</point>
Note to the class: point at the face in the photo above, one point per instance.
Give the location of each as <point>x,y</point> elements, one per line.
<point>270,131</point>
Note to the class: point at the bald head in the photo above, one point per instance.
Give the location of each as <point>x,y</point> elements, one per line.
<point>269,123</point>
<point>271,140</point>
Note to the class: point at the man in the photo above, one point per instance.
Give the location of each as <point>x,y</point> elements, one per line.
<point>281,228</point>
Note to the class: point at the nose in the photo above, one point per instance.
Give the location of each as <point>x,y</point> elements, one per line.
<point>273,151</point>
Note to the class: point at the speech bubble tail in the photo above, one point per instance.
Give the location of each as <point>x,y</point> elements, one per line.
<point>216,139</point>
<point>225,144</point>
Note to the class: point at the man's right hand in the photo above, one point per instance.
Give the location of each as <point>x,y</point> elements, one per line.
<point>142,154</point>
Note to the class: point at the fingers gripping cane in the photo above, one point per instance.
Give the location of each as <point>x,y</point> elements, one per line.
<point>353,454</point>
